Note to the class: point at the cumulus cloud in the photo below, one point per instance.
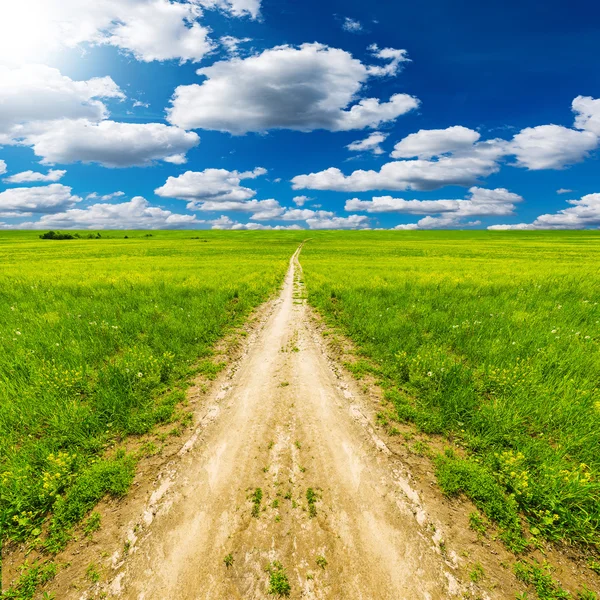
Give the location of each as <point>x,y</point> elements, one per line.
<point>224,222</point>
<point>138,213</point>
<point>582,213</point>
<point>551,146</point>
<point>372,143</point>
<point>147,29</point>
<point>404,175</point>
<point>214,185</point>
<point>452,156</point>
<point>394,56</point>
<point>587,111</point>
<point>479,202</point>
<point>263,210</point>
<point>110,143</point>
<point>352,25</point>
<point>563,191</point>
<point>105,197</point>
<point>40,94</point>
<point>66,121</point>
<point>305,214</point>
<point>427,143</point>
<point>232,43</point>
<point>441,222</point>
<point>42,199</point>
<point>457,156</point>
<point>303,89</point>
<point>237,8</point>
<point>350,222</point>
<point>300,200</point>
<point>2,167</point>
<point>34,176</point>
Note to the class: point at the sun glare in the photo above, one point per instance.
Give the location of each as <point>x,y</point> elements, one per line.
<point>26,33</point>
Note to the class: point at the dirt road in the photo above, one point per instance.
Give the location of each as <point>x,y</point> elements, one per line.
<point>288,425</point>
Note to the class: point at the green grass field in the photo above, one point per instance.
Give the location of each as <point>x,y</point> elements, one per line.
<point>492,339</point>
<point>488,338</point>
<point>97,338</point>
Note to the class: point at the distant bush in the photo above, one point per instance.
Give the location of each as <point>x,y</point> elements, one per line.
<point>56,235</point>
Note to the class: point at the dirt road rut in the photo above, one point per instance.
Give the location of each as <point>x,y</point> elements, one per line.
<point>335,508</point>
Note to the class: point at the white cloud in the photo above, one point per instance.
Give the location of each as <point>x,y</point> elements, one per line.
<point>517,226</point>
<point>551,146</point>
<point>427,143</point>
<point>352,25</point>
<point>350,222</point>
<point>372,143</point>
<point>461,160</point>
<point>138,213</point>
<point>479,202</point>
<point>297,214</point>
<point>263,209</point>
<point>214,185</point>
<point>35,177</point>
<point>147,29</point>
<point>65,121</point>
<point>42,199</point>
<point>2,167</point>
<point>237,8</point>
<point>444,222</point>
<point>231,44</point>
<point>110,143</point>
<point>303,89</point>
<point>394,56</point>
<point>224,222</point>
<point>581,214</point>
<point>587,111</point>
<point>161,30</point>
<point>407,227</point>
<point>105,197</point>
<point>37,93</point>
<point>300,200</point>
<point>417,174</point>
<point>456,156</point>
<point>563,191</point>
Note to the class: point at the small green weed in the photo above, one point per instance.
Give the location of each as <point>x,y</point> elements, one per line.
<point>311,498</point>
<point>279,584</point>
<point>540,578</point>
<point>92,573</point>
<point>92,524</point>
<point>256,500</point>
<point>477,573</point>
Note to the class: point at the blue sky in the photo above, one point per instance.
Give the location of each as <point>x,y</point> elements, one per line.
<point>305,114</point>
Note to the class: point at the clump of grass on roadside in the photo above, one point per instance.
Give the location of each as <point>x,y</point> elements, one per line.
<point>539,577</point>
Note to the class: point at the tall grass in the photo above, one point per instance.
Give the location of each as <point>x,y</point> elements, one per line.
<point>493,339</point>
<point>94,336</point>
